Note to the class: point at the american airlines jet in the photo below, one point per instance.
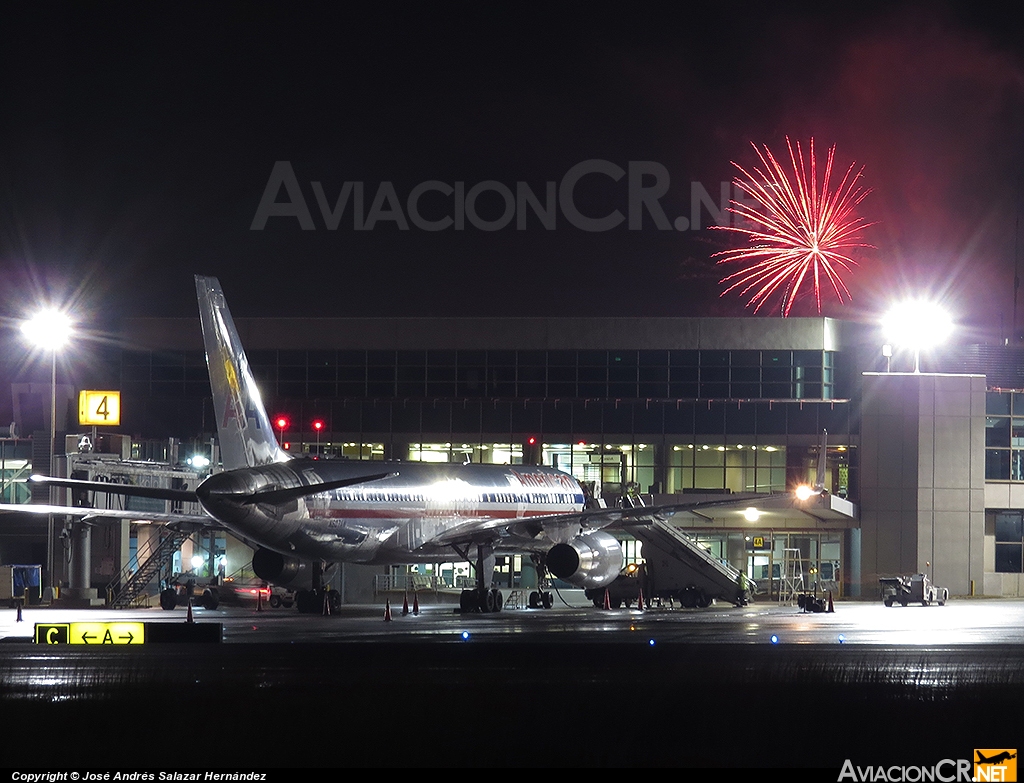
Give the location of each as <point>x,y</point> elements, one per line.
<point>301,515</point>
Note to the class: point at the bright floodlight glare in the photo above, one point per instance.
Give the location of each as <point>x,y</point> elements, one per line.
<point>751,514</point>
<point>197,561</point>
<point>803,492</point>
<point>917,324</point>
<point>49,329</point>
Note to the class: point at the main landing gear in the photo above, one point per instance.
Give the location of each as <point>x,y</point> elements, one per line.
<point>483,597</point>
<point>312,601</point>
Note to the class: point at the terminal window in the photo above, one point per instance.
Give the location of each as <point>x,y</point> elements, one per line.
<point>1009,542</point>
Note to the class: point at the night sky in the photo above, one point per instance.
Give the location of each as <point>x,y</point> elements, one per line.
<point>136,143</point>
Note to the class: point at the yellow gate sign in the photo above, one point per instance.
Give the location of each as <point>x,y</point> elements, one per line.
<point>99,408</point>
<point>91,633</point>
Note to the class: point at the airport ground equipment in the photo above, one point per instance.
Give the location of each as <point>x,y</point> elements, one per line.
<point>678,567</point>
<point>128,588</point>
<point>20,584</point>
<point>914,589</point>
<point>809,602</point>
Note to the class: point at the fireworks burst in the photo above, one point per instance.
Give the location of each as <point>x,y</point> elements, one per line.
<point>802,230</point>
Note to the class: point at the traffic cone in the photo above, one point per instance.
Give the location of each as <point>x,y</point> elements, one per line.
<point>415,603</point>
<point>387,611</point>
<point>831,606</point>
<point>19,612</point>
<point>405,605</point>
<point>640,600</point>
<point>188,617</point>
<point>607,600</point>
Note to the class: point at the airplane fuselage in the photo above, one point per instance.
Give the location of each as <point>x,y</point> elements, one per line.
<point>393,519</point>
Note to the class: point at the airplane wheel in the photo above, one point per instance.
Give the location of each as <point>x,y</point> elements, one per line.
<point>534,602</point>
<point>275,601</point>
<point>485,601</point>
<point>210,599</point>
<point>498,604</point>
<point>168,599</point>
<point>887,600</point>
<point>702,600</point>
<point>467,601</point>
<point>904,603</point>
<point>334,598</point>
<point>549,600</point>
<point>307,603</point>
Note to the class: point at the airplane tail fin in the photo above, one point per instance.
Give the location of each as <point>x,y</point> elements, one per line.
<point>246,436</point>
<point>819,480</point>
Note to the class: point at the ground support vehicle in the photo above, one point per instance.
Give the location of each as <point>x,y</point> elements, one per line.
<point>914,589</point>
<point>202,590</point>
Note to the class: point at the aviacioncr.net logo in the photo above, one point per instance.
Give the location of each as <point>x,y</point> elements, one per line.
<point>998,764</point>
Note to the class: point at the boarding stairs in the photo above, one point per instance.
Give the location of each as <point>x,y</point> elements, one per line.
<point>127,589</point>
<point>676,562</point>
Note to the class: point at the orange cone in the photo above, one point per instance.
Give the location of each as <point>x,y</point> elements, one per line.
<point>188,617</point>
<point>387,611</point>
<point>405,605</point>
<point>19,612</point>
<point>640,599</point>
<point>607,600</point>
<point>415,603</point>
<point>831,606</point>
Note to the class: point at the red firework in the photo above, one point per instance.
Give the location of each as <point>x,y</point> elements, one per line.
<point>802,231</point>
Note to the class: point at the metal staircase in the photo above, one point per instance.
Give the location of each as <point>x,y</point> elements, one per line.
<point>127,589</point>
<point>675,560</point>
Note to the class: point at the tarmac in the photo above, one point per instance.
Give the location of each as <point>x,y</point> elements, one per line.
<point>761,686</point>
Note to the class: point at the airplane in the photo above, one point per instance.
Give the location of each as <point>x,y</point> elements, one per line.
<point>1004,756</point>
<point>300,515</point>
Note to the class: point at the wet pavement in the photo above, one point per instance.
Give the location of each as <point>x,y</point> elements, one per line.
<point>564,687</point>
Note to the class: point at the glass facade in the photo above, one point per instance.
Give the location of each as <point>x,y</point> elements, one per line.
<point>1004,436</point>
<point>645,374</point>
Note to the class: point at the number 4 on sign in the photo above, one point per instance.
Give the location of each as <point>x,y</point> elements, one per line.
<point>99,408</point>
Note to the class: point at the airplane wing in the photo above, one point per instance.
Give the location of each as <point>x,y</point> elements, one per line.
<point>272,496</point>
<point>105,513</point>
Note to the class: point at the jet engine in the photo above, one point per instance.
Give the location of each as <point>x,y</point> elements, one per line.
<point>589,561</point>
<point>281,570</point>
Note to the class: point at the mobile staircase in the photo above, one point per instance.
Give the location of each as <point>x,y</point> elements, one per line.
<point>128,589</point>
<point>679,567</point>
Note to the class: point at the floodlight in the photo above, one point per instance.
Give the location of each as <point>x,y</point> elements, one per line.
<point>917,324</point>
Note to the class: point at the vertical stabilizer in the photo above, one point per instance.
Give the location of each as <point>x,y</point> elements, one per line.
<point>246,437</point>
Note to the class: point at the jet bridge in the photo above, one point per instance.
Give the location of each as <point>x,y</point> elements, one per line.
<point>679,567</point>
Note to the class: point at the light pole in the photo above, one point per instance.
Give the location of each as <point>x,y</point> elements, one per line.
<point>50,330</point>
<point>281,422</point>
<point>318,425</point>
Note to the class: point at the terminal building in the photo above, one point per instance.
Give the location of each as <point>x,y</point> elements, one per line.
<point>662,408</point>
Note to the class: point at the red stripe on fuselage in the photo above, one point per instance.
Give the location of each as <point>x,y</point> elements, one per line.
<point>399,513</point>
